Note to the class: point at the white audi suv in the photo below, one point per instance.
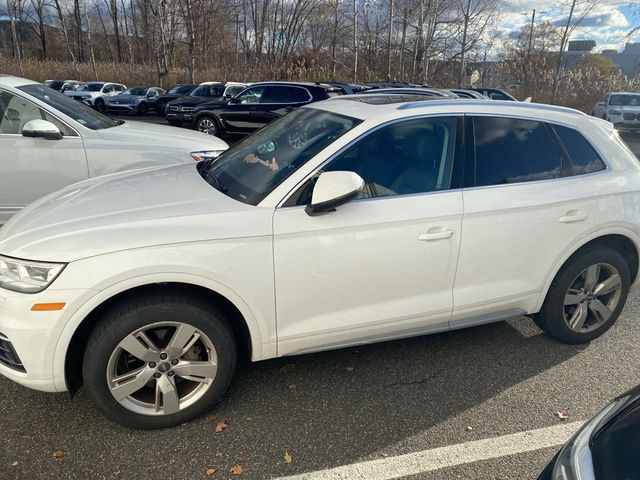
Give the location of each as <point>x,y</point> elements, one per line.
<point>350,221</point>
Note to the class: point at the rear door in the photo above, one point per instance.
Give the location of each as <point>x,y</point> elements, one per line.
<point>524,208</point>
<point>33,167</point>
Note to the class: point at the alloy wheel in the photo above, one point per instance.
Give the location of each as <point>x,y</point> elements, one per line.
<point>208,126</point>
<point>162,368</point>
<point>592,297</point>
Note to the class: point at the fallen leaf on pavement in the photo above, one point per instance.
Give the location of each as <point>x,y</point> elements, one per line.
<point>349,369</point>
<point>116,473</point>
<point>292,386</point>
<point>14,464</point>
<point>221,426</point>
<point>237,470</point>
<point>469,427</point>
<point>562,414</point>
<point>287,367</point>
<point>58,454</point>
<point>248,419</point>
<point>287,457</point>
<point>219,455</point>
<point>210,471</point>
<point>213,417</point>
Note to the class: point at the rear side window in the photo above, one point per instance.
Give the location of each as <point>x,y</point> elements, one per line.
<point>582,155</point>
<point>511,150</point>
<point>284,94</point>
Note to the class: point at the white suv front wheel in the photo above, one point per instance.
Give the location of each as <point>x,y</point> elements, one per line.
<point>159,360</point>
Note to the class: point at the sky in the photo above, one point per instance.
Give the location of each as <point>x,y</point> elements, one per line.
<point>609,23</point>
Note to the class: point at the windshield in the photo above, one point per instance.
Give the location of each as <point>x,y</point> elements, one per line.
<point>625,100</point>
<point>135,91</point>
<point>82,114</point>
<point>208,91</point>
<point>90,87</point>
<point>181,89</point>
<point>251,169</point>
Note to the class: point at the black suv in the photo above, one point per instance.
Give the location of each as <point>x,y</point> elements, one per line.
<point>181,110</point>
<point>159,103</point>
<point>258,105</point>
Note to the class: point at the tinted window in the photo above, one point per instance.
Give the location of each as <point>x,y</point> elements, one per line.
<point>15,112</point>
<point>251,95</point>
<point>511,150</point>
<point>409,157</point>
<point>284,94</point>
<point>583,157</point>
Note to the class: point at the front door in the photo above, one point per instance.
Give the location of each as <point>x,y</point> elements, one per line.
<point>383,265</point>
<point>33,167</point>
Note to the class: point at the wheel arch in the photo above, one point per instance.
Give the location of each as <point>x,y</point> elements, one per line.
<point>246,332</point>
<point>624,241</point>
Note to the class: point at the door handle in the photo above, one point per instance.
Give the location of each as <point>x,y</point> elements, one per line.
<point>435,233</point>
<point>573,216</point>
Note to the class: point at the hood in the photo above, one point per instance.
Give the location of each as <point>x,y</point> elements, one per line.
<point>142,133</point>
<point>126,98</point>
<point>212,104</point>
<point>76,93</point>
<point>625,108</point>
<point>168,96</point>
<point>122,211</point>
<point>191,101</point>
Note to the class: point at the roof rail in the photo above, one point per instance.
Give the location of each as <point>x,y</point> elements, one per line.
<point>457,102</point>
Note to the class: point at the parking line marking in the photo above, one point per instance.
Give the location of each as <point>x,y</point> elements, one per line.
<point>449,456</point>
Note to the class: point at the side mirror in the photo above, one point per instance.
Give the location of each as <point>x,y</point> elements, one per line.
<point>601,104</point>
<point>333,189</point>
<point>41,129</point>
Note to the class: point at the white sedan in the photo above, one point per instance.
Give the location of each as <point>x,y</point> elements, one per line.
<point>49,141</point>
<point>342,223</point>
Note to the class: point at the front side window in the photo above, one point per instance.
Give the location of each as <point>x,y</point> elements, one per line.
<point>82,114</point>
<point>254,167</point>
<point>139,91</point>
<point>251,95</point>
<point>409,157</point>
<point>15,112</point>
<point>582,155</point>
<point>511,150</point>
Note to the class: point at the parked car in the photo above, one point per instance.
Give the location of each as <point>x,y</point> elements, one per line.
<point>257,106</point>
<point>181,110</point>
<point>620,108</point>
<point>463,93</point>
<point>133,100</point>
<point>495,94</point>
<point>339,224</point>
<point>427,92</point>
<point>49,141</point>
<point>62,85</point>
<point>392,85</point>
<point>94,94</point>
<point>159,103</point>
<point>605,446</point>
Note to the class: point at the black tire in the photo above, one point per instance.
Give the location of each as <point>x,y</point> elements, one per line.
<point>175,123</point>
<point>137,313</point>
<point>551,317</point>
<point>142,108</point>
<point>208,124</point>
<point>100,106</point>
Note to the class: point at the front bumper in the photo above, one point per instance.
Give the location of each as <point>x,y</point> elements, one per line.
<point>33,336</point>
<point>127,108</point>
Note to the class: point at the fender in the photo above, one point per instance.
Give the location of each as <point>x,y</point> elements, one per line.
<point>259,350</point>
<point>617,228</point>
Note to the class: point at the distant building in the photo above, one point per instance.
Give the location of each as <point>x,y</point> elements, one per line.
<point>581,45</point>
<point>628,60</point>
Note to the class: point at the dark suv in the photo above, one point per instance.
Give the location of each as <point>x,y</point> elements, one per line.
<point>258,105</point>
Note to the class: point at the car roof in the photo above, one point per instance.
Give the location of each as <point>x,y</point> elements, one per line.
<point>355,106</point>
<point>12,81</point>
<point>412,91</point>
<point>624,93</point>
<point>298,84</point>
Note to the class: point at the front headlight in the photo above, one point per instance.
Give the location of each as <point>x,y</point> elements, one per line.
<point>615,112</point>
<point>206,155</point>
<point>26,276</point>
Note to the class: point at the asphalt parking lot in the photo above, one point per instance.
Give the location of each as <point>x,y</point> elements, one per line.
<point>363,413</point>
